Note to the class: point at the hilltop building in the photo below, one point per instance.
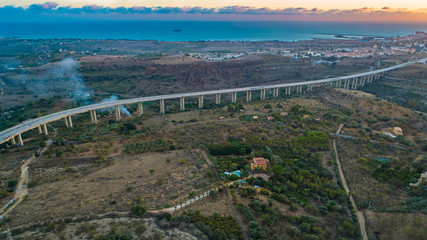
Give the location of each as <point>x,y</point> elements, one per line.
<point>258,163</point>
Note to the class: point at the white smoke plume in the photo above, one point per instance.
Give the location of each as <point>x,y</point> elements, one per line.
<point>115,98</point>
<point>55,78</point>
<point>67,71</point>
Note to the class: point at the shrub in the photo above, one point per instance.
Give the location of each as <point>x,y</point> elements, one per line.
<point>138,210</point>
<point>11,183</point>
<point>158,235</point>
<point>305,227</point>
<point>265,192</point>
<point>140,228</point>
<point>292,208</point>
<point>293,231</point>
<point>4,194</point>
<point>33,183</point>
<point>233,148</point>
<point>50,227</point>
<point>58,153</point>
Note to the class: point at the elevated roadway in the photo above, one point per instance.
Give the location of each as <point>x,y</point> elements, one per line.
<point>347,82</point>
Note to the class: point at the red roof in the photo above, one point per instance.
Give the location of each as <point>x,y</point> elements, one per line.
<point>260,161</point>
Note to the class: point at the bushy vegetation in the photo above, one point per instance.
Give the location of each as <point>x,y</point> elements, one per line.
<point>383,171</point>
<point>228,149</point>
<point>158,145</point>
<point>220,225</point>
<point>138,210</point>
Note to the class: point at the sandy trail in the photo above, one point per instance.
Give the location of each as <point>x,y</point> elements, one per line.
<point>22,189</point>
<point>359,214</point>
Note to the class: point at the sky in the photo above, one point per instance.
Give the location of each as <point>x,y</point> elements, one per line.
<point>321,4</point>
<point>304,10</point>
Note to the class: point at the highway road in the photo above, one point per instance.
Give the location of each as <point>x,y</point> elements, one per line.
<point>34,123</point>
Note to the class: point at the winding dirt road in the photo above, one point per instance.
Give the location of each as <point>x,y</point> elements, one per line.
<point>359,214</point>
<point>22,189</point>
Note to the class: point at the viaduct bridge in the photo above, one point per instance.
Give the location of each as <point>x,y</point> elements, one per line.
<point>13,134</point>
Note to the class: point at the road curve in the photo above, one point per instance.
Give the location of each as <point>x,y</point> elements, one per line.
<point>34,123</point>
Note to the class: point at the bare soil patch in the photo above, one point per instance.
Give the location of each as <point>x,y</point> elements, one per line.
<point>116,187</point>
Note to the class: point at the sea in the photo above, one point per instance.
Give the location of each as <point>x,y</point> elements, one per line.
<point>203,31</point>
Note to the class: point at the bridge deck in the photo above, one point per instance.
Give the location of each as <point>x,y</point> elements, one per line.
<point>33,123</point>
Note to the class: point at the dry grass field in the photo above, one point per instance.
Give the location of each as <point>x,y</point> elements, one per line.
<point>116,187</point>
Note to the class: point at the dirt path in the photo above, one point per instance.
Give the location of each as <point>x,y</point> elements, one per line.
<point>359,214</point>
<point>184,204</point>
<point>22,189</point>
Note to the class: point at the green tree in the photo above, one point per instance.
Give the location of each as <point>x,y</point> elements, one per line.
<point>295,109</point>
<point>218,234</point>
<point>230,107</point>
<point>138,210</point>
<point>413,103</point>
<point>293,231</point>
<point>278,170</point>
<point>58,153</point>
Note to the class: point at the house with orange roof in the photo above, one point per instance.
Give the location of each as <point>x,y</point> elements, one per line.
<point>259,162</point>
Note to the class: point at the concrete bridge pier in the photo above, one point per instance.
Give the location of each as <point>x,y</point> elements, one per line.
<point>117,107</point>
<point>201,101</point>
<point>218,98</point>
<point>234,97</point>
<point>20,140</point>
<point>275,92</point>
<point>91,116</point>
<point>40,129</point>
<point>248,96</point>
<point>353,83</point>
<point>45,129</point>
<point>13,140</point>
<point>339,83</point>
<point>70,122</point>
<point>95,119</point>
<point>140,109</point>
<point>262,94</point>
<point>162,106</point>
<point>182,103</point>
<point>66,122</point>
